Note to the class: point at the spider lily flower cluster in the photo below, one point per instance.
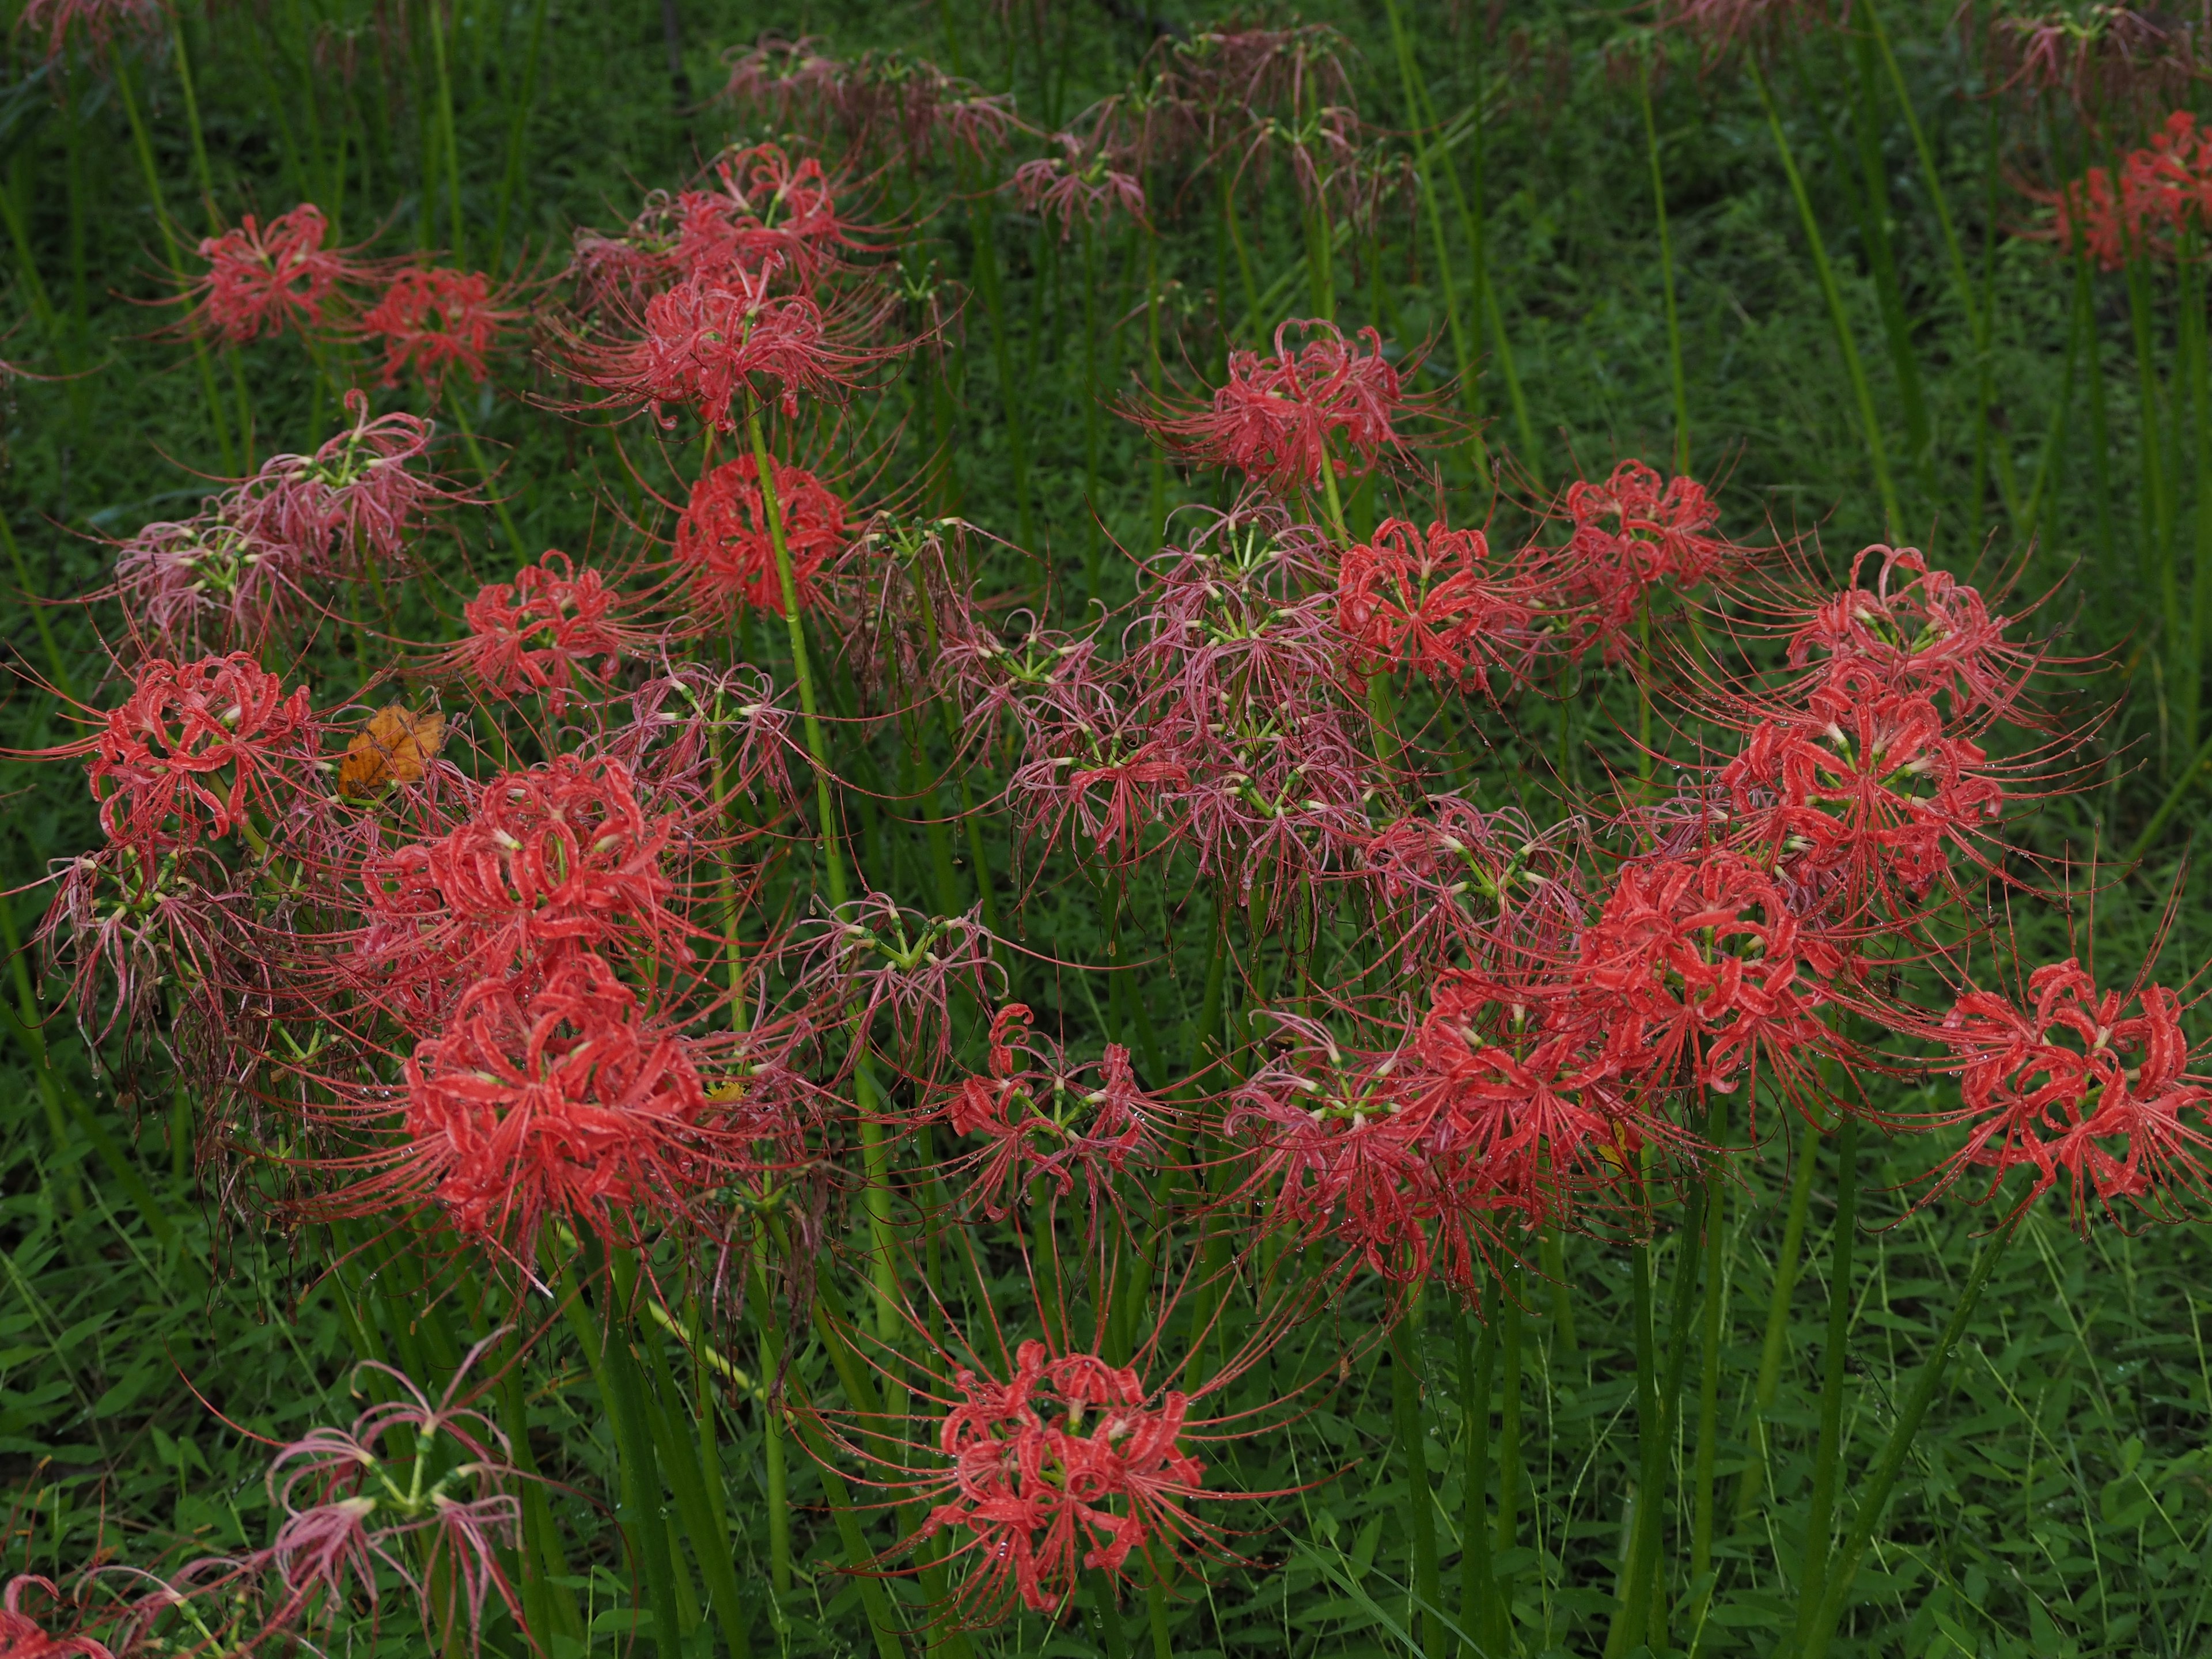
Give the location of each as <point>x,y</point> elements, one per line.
<point>279,277</point>
<point>570,935</point>
<point>417,1495</point>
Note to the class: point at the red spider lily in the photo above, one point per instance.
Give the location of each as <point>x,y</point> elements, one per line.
<point>434,320</point>
<point>567,1102</point>
<point>1068,1465</point>
<point>2075,1087</point>
<point>1632,534</point>
<point>346,1515</point>
<point>1075,186</point>
<point>2134,212</point>
<point>693,734</point>
<point>539,632</point>
<point>1918,631</point>
<point>764,209</point>
<point>23,1637</point>
<point>1337,1140</point>
<point>1455,882</point>
<point>770,210</point>
<point>557,858</point>
<point>1426,602</point>
<point>1415,1155</point>
<point>1017,671</point>
<point>208,584</point>
<point>1278,416</point>
<point>1864,785</point>
<point>2102,58</point>
<point>873,956</point>
<point>1239,617</point>
<point>104,22</point>
<point>1109,777</point>
<point>194,749</point>
<point>1239,70</point>
<point>1532,1108</point>
<point>1721,26</point>
<point>271,277</point>
<point>717,340</point>
<point>880,99</point>
<point>124,926</point>
<point>1043,1121</point>
<point>722,538</point>
<point>1696,969</point>
<point>351,505</point>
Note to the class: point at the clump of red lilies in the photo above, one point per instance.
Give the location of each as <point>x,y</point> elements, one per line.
<point>570,930</point>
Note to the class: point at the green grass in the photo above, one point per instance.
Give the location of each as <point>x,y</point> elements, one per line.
<point>2057,1501</point>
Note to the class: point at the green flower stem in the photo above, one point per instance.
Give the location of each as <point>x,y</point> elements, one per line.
<point>830,1323</point>
<point>970,821</point>
<point>1978,311</point>
<point>1680,380</point>
<point>776,1476</point>
<point>1709,1369</point>
<point>1553,1258</point>
<point>2061,414</point>
<point>458,404</point>
<point>1412,1457</point>
<point>62,681</point>
<point>436,29</point>
<point>2189,680</point>
<point>1510,1382</point>
<point>817,749</point>
<point>1786,1261</point>
<point>2198,769</point>
<point>1155,380</point>
<point>1881,261</point>
<point>2157,506</point>
<point>1623,1635</point>
<point>1813,1579</point>
<point>1473,222</point>
<point>24,1018</point>
<point>548,1602</point>
<point>606,1350</point>
<point>692,1464</point>
<point>1478,1358</point>
<point>983,225</point>
<point>1853,370</point>
<point>1462,351</point>
<point>1881,1479</point>
<point>517,128</point>
<point>144,144</point>
<point>1644,1615</point>
<point>1111,1635</point>
<point>183,61</point>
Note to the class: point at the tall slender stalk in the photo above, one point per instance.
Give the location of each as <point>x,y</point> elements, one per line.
<point>1447,280</point>
<point>607,1352</point>
<point>1881,262</point>
<point>1827,1454</point>
<point>818,748</point>
<point>1853,370</point>
<point>144,146</point>
<point>1474,226</point>
<point>1978,312</point>
<point>1708,1368</point>
<point>1786,1261</point>
<point>1477,1358</point>
<point>1412,1457</point>
<point>434,25</point>
<point>1678,377</point>
<point>1881,1478</point>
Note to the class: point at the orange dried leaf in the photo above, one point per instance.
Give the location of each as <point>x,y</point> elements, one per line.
<point>394,747</point>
